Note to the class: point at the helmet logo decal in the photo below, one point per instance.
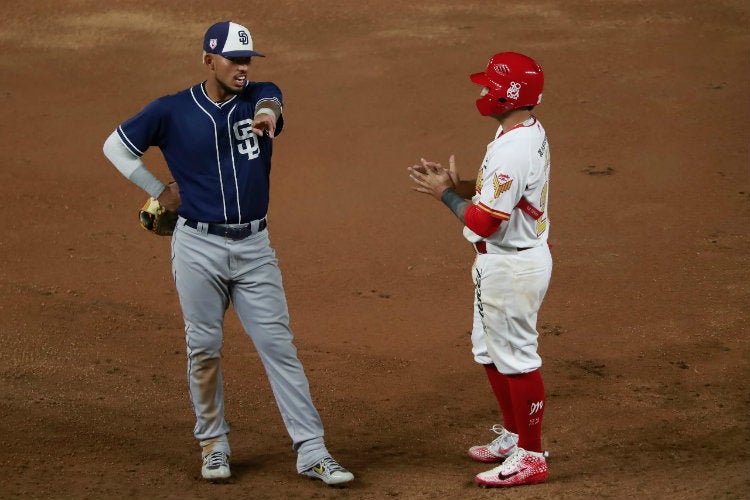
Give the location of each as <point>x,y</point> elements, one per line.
<point>513,90</point>
<point>213,43</point>
<point>501,68</point>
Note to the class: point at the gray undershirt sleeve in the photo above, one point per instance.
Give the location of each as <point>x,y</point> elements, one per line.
<point>131,166</point>
<point>455,202</point>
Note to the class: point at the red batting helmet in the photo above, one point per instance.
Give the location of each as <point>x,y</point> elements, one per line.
<point>514,81</point>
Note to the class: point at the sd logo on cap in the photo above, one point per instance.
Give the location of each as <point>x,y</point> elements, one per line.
<point>229,39</point>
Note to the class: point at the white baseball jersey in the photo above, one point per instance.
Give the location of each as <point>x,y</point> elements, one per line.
<point>511,284</point>
<point>516,166</point>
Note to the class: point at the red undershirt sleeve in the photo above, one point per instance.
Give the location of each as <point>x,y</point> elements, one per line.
<point>480,221</point>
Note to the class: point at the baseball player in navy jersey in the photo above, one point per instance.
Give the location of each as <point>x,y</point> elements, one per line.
<point>217,139</point>
<point>505,214</point>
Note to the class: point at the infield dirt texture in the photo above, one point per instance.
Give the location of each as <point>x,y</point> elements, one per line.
<point>644,331</point>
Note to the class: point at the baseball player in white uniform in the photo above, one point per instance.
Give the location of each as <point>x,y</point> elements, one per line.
<point>505,214</point>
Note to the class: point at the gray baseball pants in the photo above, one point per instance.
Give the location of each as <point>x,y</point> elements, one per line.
<point>209,272</point>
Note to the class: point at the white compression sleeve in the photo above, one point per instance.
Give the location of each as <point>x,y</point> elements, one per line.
<point>131,166</point>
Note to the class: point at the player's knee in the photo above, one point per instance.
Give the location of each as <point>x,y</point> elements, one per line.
<point>203,339</point>
<point>205,346</point>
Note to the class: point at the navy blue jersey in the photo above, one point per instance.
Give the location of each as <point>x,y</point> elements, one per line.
<point>221,166</point>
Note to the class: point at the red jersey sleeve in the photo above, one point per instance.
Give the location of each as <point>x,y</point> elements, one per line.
<point>481,222</point>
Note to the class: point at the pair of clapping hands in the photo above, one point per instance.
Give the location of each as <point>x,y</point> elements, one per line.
<point>433,178</point>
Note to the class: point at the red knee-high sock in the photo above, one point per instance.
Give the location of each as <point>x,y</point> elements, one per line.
<point>499,384</point>
<point>527,393</point>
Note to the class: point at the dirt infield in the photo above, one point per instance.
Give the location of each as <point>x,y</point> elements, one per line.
<point>644,331</point>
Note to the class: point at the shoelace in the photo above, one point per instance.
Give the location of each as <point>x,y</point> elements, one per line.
<point>511,463</point>
<point>331,465</point>
<point>504,437</point>
<point>498,429</point>
<point>216,460</point>
<point>501,434</point>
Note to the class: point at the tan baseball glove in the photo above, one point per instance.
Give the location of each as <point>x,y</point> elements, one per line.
<point>157,219</point>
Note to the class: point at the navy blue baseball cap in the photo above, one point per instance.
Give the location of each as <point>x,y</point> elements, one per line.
<point>229,39</point>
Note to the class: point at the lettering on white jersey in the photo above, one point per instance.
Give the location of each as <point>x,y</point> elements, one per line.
<point>243,131</point>
<point>543,149</point>
<point>541,223</point>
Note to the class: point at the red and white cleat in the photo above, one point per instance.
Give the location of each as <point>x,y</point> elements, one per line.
<point>523,467</point>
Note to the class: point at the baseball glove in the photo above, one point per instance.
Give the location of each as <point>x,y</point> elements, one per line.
<point>157,219</point>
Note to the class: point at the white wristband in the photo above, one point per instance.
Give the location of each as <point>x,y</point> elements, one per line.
<point>267,111</point>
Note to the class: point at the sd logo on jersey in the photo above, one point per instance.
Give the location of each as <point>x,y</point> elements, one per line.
<point>243,132</point>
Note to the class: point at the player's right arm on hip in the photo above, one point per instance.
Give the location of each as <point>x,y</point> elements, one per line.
<point>131,166</point>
